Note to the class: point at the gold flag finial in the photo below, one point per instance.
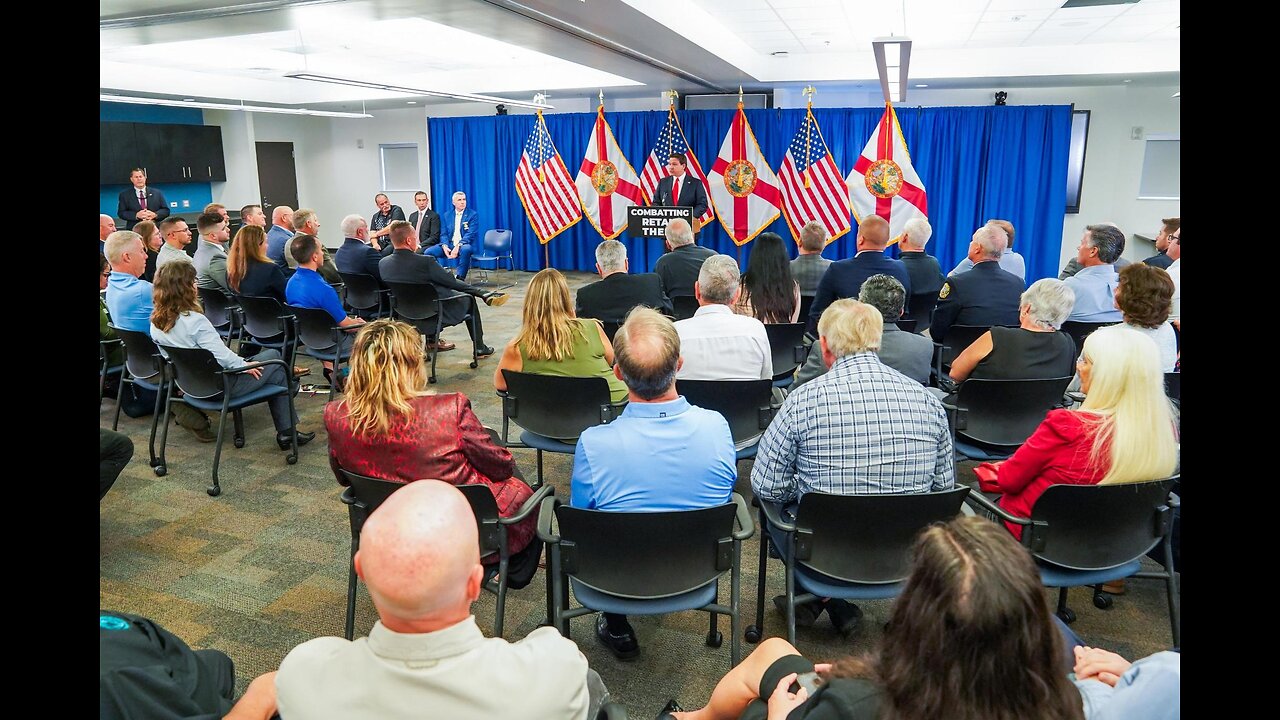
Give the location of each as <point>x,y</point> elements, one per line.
<point>670,96</point>
<point>601,97</point>
<point>809,91</point>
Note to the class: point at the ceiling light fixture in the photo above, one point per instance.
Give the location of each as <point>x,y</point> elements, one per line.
<point>893,55</point>
<point>104,97</point>
<point>416,91</point>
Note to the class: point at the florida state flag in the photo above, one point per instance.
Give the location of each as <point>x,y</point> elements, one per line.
<point>606,182</point>
<point>744,189</point>
<point>883,182</point>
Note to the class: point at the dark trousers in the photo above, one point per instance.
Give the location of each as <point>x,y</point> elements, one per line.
<point>244,383</point>
<point>114,450</point>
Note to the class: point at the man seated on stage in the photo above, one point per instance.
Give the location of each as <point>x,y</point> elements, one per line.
<point>425,221</point>
<point>459,227</point>
<point>680,188</point>
<point>717,343</point>
<point>278,237</point>
<point>844,278</point>
<point>308,289</point>
<point>380,225</point>
<point>629,464</point>
<point>680,266</point>
<point>613,296</point>
<point>405,265</point>
<point>809,267</point>
<point>356,255</point>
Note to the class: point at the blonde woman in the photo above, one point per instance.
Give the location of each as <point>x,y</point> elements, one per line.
<point>1122,433</point>
<point>389,426</point>
<point>554,341</point>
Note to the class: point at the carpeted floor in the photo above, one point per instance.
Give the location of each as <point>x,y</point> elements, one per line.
<point>263,567</point>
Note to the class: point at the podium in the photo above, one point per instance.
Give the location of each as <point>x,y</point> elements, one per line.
<point>651,221</point>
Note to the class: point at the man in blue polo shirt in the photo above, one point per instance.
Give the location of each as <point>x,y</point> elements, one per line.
<point>661,454</point>
<point>308,289</point>
<point>1095,284</point>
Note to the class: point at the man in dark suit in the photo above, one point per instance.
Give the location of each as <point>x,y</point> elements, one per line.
<point>459,227</point>
<point>406,265</point>
<point>617,292</point>
<point>425,221</point>
<point>1168,227</point>
<point>986,295</point>
<point>356,254</point>
<point>141,202</point>
<point>926,273</point>
<point>844,278</point>
<point>689,192</point>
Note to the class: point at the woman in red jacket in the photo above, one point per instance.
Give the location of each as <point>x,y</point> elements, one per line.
<point>1122,433</point>
<point>389,426</point>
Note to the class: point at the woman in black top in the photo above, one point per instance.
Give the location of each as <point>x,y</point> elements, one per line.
<point>1035,349</point>
<point>249,271</point>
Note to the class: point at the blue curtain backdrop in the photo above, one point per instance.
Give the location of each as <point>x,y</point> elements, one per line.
<point>977,163</point>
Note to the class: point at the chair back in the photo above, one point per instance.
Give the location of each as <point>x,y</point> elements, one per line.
<point>806,305</point>
<point>556,407</point>
<point>786,342</point>
<point>141,356</point>
<point>611,328</point>
<point>315,328</point>
<point>217,307</point>
<point>906,324</point>
<point>363,292</point>
<point>485,508</point>
<point>497,242</point>
<point>920,308</point>
<point>1173,386</point>
<point>1006,412</point>
<point>745,404</point>
<point>1081,330</point>
<point>646,555</point>
<point>684,306</point>
<point>414,301</point>
<point>958,338</point>
<point>868,538</point>
<point>196,371</point>
<point>266,318</point>
<point>1095,527</point>
<point>369,493</point>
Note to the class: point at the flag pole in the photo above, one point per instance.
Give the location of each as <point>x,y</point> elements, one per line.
<point>546,256</point>
<point>808,92</point>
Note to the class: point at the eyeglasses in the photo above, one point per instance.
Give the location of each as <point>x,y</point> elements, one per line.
<point>106,273</point>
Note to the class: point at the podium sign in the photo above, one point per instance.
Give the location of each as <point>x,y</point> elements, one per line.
<point>652,222</point>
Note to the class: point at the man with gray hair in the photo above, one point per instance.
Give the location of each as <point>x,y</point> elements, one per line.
<point>807,269</point>
<point>1073,265</point>
<point>1095,284</point>
<point>679,267</point>
<point>356,255</point>
<point>861,428</point>
<point>719,344</point>
<point>629,464</point>
<point>986,295</point>
<point>617,291</point>
<point>1010,261</point>
<point>924,270</point>
<point>306,222</point>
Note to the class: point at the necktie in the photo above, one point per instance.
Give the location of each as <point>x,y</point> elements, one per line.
<point>675,191</point>
<point>418,230</point>
<point>142,200</point>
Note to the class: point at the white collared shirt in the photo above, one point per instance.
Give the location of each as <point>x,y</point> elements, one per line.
<point>716,344</point>
<point>457,229</point>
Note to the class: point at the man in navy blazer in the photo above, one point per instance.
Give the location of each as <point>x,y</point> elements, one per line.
<point>425,220</point>
<point>141,202</point>
<point>690,194</point>
<point>459,227</point>
<point>844,278</point>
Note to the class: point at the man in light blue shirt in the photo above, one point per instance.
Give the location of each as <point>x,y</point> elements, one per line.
<point>1111,687</point>
<point>661,454</point>
<point>1095,284</point>
<point>309,290</point>
<point>1010,261</point>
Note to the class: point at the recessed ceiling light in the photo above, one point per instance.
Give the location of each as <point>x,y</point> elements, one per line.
<point>779,53</point>
<point>188,99</point>
<point>922,85</point>
<point>1128,81</point>
<point>415,102</point>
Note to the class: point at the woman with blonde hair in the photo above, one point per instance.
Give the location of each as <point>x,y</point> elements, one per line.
<point>1122,433</point>
<point>389,426</point>
<point>554,341</point>
<point>249,270</point>
<point>151,242</point>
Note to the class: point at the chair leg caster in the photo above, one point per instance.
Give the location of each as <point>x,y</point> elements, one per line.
<point>214,491</point>
<point>432,380</point>
<point>238,442</point>
<point>752,635</point>
<point>160,470</point>
<point>292,459</point>
<point>1067,615</point>
<point>715,639</point>
<point>1101,600</point>
<point>474,364</point>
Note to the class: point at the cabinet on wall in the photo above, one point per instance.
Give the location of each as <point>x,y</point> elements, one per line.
<point>169,153</point>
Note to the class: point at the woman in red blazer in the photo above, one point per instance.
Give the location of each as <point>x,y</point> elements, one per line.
<point>389,426</point>
<point>1122,433</point>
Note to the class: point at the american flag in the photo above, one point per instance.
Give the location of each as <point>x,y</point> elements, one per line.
<point>670,140</point>
<point>545,187</point>
<point>813,188</point>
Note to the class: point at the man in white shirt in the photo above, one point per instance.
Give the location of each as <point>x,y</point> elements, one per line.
<point>715,343</point>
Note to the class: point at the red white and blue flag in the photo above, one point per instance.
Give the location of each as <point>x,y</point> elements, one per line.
<point>883,182</point>
<point>607,184</point>
<point>812,186</point>
<point>743,186</point>
<point>545,188</point>
<point>672,140</point>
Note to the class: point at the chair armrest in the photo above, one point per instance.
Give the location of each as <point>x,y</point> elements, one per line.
<point>1174,501</point>
<point>773,513</point>
<point>959,416</point>
<point>529,505</point>
<point>348,328</point>
<point>611,711</point>
<point>978,501</point>
<point>443,295</point>
<point>254,365</point>
<point>746,528</point>
<point>348,496</point>
<point>547,513</point>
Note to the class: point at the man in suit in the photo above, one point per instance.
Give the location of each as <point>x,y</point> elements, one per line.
<point>844,278</point>
<point>406,265</point>
<point>211,256</point>
<point>810,266</point>
<point>679,267</point>
<point>426,221</point>
<point>1168,227</point>
<point>278,236</point>
<point>617,291</point>
<point>459,227</point>
<point>680,188</point>
<point>924,270</point>
<point>380,224</point>
<point>141,202</point>
<point>356,254</point>
<point>986,295</point>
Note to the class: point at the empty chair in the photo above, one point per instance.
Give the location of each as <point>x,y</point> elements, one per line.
<point>420,304</point>
<point>365,297</point>
<point>553,411</point>
<point>990,419</point>
<point>920,308</point>
<point>786,342</point>
<point>496,248</point>
<point>684,306</point>
<point>745,404</point>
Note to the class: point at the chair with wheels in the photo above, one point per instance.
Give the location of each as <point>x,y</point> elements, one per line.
<point>324,340</point>
<point>553,411</point>
<point>786,342</point>
<point>745,404</point>
<point>645,563</point>
<point>496,248</point>
<point>422,305</point>
<point>223,313</point>
<point>365,297</point>
<point>145,367</point>
<point>990,419</point>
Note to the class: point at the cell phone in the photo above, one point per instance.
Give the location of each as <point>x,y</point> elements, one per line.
<point>810,681</point>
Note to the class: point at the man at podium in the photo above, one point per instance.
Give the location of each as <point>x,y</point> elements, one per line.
<point>681,188</point>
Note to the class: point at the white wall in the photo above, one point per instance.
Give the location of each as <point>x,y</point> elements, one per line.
<point>241,187</point>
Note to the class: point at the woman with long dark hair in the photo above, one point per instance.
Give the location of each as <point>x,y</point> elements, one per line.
<point>769,293</point>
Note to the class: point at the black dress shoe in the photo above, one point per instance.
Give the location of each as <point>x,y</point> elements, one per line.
<point>484,351</point>
<point>672,706</point>
<point>624,646</point>
<point>285,440</point>
<point>845,616</point>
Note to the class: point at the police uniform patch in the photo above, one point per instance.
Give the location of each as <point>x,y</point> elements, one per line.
<point>945,291</point>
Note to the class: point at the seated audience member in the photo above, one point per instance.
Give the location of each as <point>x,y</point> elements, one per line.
<point>809,265</point>
<point>553,341</point>
<point>306,222</point>
<point>278,237</point>
<point>923,269</point>
<point>356,254</point>
<point>389,426</point>
<point>178,322</point>
<point>1115,689</point>
<point>253,215</point>
<point>152,241</point>
<point>717,344</point>
<point>1095,283</point>
<point>114,452</point>
<point>1010,261</point>
<point>986,295</point>
<point>459,231</point>
<point>1168,226</point>
<point>1122,433</point>
<point>860,428</point>
<point>211,256</point>
<point>249,270</point>
<point>106,226</point>
<point>115,356</point>
<point>1036,349</point>
<point>1175,274</point>
<point>177,236</point>
<point>218,209</point>
<point>908,353</point>
<point>769,294</point>
<point>1144,296</point>
<point>617,291</point>
<point>419,557</point>
<point>971,636</point>
<point>309,290</point>
<point>679,267</point>
<point>1074,266</point>
<point>629,464</point>
<point>844,278</point>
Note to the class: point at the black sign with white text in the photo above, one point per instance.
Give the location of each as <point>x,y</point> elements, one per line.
<point>652,221</point>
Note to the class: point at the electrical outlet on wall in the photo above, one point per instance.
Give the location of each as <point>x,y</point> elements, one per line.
<point>1135,132</point>
<point>186,203</point>
<point>173,204</point>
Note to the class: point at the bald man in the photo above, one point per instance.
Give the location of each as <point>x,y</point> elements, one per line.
<point>279,233</point>
<point>419,556</point>
<point>106,226</point>
<point>844,278</point>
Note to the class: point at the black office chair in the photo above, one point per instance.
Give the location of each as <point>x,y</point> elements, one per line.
<point>611,328</point>
<point>786,342</point>
<point>852,547</point>
<point>806,305</point>
<point>553,411</point>
<point>269,323</point>
<point>145,367</point>
<point>1173,387</point>
<point>906,324</point>
<point>990,419</point>
<point>223,313</point>
<point>323,339</point>
<point>646,563</point>
<point>365,297</point>
<point>206,386</point>
<point>920,308</point>
<point>1079,331</point>
<point>1093,534</point>
<point>684,306</point>
<point>105,368</point>
<point>421,303</point>
<point>958,338</point>
<point>745,404</point>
